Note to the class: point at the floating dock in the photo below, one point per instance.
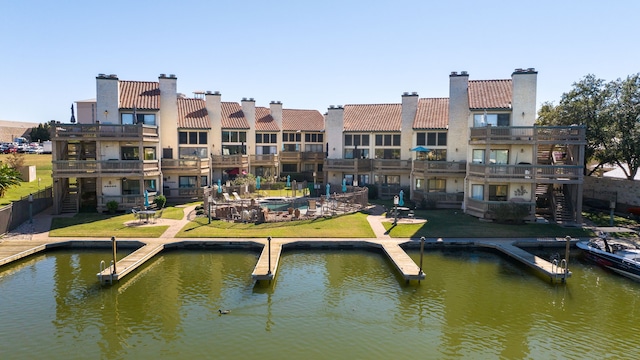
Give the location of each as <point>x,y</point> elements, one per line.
<point>553,271</point>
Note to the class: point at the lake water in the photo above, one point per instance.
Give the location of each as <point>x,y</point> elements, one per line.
<point>323,305</point>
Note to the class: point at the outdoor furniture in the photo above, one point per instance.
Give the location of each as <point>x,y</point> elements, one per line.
<point>236,196</point>
<point>157,215</point>
<point>136,214</point>
<point>146,214</point>
<point>226,197</point>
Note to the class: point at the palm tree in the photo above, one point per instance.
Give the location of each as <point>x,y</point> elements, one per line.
<point>8,177</point>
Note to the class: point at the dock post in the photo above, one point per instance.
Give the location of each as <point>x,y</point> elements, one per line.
<point>421,252</point>
<point>269,250</point>
<point>113,245</point>
<point>566,256</point>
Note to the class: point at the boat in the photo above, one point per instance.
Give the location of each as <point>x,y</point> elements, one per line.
<point>618,255</point>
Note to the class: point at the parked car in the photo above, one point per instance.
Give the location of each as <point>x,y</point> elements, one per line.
<point>36,150</point>
<point>10,149</point>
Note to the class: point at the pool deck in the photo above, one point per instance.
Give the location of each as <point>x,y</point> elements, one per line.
<point>36,240</point>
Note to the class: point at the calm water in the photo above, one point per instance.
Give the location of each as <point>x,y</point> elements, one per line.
<point>324,305</point>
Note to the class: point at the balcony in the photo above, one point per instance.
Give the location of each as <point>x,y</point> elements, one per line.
<point>313,156</point>
<point>566,174</point>
<point>528,134</point>
<point>227,161</point>
<point>290,156</point>
<point>94,168</point>
<point>110,131</point>
<point>186,166</point>
<point>347,165</point>
<point>264,160</point>
<point>439,168</point>
<point>391,165</point>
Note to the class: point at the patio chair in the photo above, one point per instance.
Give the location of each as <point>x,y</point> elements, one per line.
<point>134,211</point>
<point>235,215</point>
<point>157,215</point>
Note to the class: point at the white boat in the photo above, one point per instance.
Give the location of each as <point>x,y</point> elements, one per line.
<point>618,255</point>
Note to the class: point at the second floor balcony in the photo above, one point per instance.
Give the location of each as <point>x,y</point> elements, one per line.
<point>348,165</point>
<point>109,131</point>
<point>196,165</point>
<point>528,134</point>
<point>528,173</point>
<point>98,168</point>
<point>227,161</point>
<point>263,160</point>
<point>440,168</point>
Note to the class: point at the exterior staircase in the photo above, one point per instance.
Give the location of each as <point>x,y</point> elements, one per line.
<point>562,210</point>
<point>70,201</point>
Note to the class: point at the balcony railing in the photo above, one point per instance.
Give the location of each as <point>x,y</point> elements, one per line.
<point>185,164</point>
<point>265,159</point>
<point>534,173</point>
<point>228,160</point>
<point>392,165</point>
<point>529,134</point>
<point>439,167</point>
<point>63,131</point>
<point>353,165</point>
<point>313,156</point>
<point>104,167</point>
<point>290,156</point>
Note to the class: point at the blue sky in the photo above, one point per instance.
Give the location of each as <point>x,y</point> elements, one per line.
<point>307,54</point>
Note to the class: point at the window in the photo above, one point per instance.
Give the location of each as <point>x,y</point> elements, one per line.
<point>265,150</point>
<point>234,136</point>
<point>478,156</point>
<point>204,181</point>
<point>130,187</point>
<point>292,137</point>
<point>192,137</point>
<point>387,179</point>
<point>495,156</point>
<point>313,138</point>
<point>436,138</point>
<point>187,181</point>
<point>434,155</point>
<point>147,119</point>
<point>498,192</point>
<point>388,140</point>
<point>130,153</point>
<point>309,167</point>
<point>313,147</point>
<point>192,152</point>
<point>353,153</point>
<point>387,153</point>
<point>266,138</point>
<point>149,153</point>
<point>291,147</point>
<point>150,185</point>
<point>477,192</point>
<point>290,168</point>
<point>233,149</point>
<point>437,185</point>
<point>480,120</point>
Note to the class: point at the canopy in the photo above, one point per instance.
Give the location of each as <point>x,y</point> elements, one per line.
<point>401,198</point>
<point>258,182</point>
<point>146,199</point>
<point>344,185</point>
<point>328,191</point>
<point>420,148</point>
<point>219,186</point>
<point>288,181</point>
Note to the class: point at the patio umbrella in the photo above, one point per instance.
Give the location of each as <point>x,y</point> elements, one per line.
<point>401,198</point>
<point>288,180</point>
<point>258,182</point>
<point>421,148</point>
<point>146,199</point>
<point>328,191</point>
<point>219,186</point>
<point>344,185</point>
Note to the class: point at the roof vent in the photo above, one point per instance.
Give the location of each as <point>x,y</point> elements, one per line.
<point>414,93</point>
<point>216,92</point>
<point>101,75</point>
<point>405,93</point>
<point>208,92</point>
<point>244,99</point>
<point>463,73</point>
<point>173,76</point>
<point>251,99</point>
<point>113,76</point>
<point>531,69</point>
<point>163,75</point>
<point>332,107</point>
<point>454,73</point>
<point>519,70</point>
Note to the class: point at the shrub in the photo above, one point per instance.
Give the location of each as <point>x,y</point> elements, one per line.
<point>510,212</point>
<point>373,191</point>
<point>160,201</point>
<point>112,206</point>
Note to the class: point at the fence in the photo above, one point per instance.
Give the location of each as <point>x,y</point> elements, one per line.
<point>18,212</point>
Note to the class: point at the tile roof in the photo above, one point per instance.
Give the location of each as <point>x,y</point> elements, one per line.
<point>303,120</point>
<point>192,114</point>
<point>372,117</point>
<point>433,113</point>
<point>264,120</point>
<point>490,94</point>
<point>233,117</point>
<point>144,95</point>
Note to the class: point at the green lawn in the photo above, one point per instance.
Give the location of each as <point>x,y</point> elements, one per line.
<point>346,226</point>
<point>455,224</point>
<point>100,225</point>
<point>43,166</point>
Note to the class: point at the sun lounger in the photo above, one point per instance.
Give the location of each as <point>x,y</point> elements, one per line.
<point>226,197</point>
<point>236,196</point>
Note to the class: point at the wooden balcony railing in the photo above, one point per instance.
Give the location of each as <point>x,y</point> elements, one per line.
<point>353,165</point>
<point>64,131</point>
<point>392,165</point>
<point>439,167</point>
<point>265,159</point>
<point>290,156</point>
<point>229,160</point>
<point>313,156</point>
<point>197,164</point>
<point>104,167</point>
<point>529,134</point>
<point>534,173</point>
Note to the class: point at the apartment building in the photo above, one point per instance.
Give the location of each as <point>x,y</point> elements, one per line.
<point>141,137</point>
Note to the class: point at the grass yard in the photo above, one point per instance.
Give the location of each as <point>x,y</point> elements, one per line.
<point>100,225</point>
<point>455,224</point>
<point>346,226</point>
<point>43,166</point>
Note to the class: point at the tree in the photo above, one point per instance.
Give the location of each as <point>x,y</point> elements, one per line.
<point>8,177</point>
<point>41,133</point>
<point>610,113</point>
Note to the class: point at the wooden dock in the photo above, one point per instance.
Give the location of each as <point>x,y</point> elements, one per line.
<point>553,271</point>
<point>403,262</point>
<point>129,263</point>
<point>263,271</point>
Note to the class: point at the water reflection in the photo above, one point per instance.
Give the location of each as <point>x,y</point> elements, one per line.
<point>323,304</point>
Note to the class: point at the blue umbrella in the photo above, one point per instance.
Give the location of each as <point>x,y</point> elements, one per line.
<point>344,185</point>
<point>146,199</point>
<point>219,186</point>
<point>288,181</point>
<point>420,148</point>
<point>258,182</point>
<point>401,198</point>
<point>328,191</point>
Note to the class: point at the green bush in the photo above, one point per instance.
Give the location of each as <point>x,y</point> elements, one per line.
<point>510,212</point>
<point>112,206</point>
<point>160,201</point>
<point>373,191</point>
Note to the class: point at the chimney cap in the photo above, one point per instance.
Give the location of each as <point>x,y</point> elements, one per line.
<point>464,73</point>
<point>173,76</point>
<point>163,75</point>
